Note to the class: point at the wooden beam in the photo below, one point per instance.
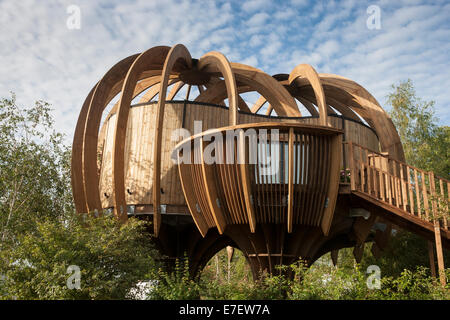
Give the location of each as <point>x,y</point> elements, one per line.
<point>437,231</point>
<point>176,53</point>
<point>217,60</point>
<point>333,187</point>
<point>290,216</point>
<point>246,186</point>
<point>308,72</point>
<point>212,196</point>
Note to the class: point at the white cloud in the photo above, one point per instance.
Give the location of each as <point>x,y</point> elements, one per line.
<point>256,5</point>
<point>42,59</point>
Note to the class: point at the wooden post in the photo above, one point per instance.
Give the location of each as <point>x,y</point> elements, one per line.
<point>290,180</point>
<point>334,256</point>
<point>431,256</point>
<point>437,230</point>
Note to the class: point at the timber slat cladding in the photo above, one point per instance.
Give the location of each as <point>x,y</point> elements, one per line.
<point>139,152</point>
<point>311,165</point>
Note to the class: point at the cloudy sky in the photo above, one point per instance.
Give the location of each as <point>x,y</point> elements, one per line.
<point>42,58</point>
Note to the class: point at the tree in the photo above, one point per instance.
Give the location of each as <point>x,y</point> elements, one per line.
<point>41,235</point>
<point>34,168</point>
<point>112,259</point>
<point>426,145</point>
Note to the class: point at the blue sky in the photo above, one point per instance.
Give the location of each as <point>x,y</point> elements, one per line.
<point>43,59</point>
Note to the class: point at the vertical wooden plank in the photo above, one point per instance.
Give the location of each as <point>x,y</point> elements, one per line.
<point>416,181</point>
<point>411,197</point>
<point>382,177</point>
<point>437,230</point>
<point>425,197</point>
<point>336,148</point>
<point>290,179</point>
<point>190,198</point>
<point>211,192</point>
<point>361,162</point>
<point>246,186</point>
<point>403,186</point>
<point>369,172</point>
<point>431,259</point>
<point>388,181</point>
<point>352,166</point>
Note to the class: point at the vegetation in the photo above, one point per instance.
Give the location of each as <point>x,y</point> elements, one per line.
<point>322,281</point>
<point>426,145</point>
<point>112,258</point>
<point>40,234</point>
<point>42,239</point>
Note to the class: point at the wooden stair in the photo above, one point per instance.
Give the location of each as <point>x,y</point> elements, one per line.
<point>402,194</point>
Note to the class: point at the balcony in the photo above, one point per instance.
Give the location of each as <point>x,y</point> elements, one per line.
<point>281,173</point>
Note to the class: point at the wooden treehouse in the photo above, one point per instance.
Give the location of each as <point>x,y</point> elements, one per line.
<point>337,175</point>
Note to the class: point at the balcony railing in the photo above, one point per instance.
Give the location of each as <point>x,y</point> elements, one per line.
<point>291,177</point>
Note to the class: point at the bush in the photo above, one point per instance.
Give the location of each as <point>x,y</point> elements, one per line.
<point>112,259</point>
<point>176,285</point>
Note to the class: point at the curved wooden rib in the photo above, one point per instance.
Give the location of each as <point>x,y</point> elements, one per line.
<point>219,62</point>
<point>148,60</point>
<point>152,92</point>
<point>188,189</point>
<point>371,111</point>
<point>309,106</point>
<point>270,88</point>
<point>246,185</point>
<point>176,88</point>
<point>90,135</point>
<point>176,53</point>
<point>308,72</point>
<point>211,192</point>
<point>258,104</point>
<point>104,92</point>
<point>320,167</point>
<point>77,157</point>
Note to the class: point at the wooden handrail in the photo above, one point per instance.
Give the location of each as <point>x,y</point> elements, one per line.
<point>415,191</point>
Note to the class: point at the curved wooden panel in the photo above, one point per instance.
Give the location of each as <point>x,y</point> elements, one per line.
<point>308,72</point>
<point>314,175</point>
<point>219,61</point>
<point>77,157</point>
<point>176,53</point>
<point>148,60</point>
<point>101,97</point>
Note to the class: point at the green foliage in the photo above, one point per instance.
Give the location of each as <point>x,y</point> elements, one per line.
<point>175,285</point>
<point>322,281</point>
<point>112,258</point>
<point>426,145</point>
<point>266,288</point>
<point>34,168</point>
<point>218,268</point>
<point>405,251</point>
